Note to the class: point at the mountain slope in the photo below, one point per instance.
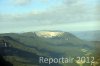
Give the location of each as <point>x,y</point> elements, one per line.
<point>28,47</point>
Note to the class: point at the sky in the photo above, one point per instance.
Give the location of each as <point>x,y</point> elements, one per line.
<point>35,15</point>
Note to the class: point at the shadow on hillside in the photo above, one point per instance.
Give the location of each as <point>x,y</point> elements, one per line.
<point>50,53</point>
<point>31,58</point>
<point>3,62</point>
<point>16,55</point>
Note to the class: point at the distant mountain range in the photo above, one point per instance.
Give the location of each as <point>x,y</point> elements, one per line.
<point>88,35</point>
<point>24,49</point>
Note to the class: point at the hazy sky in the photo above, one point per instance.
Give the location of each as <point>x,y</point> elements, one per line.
<point>34,15</point>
